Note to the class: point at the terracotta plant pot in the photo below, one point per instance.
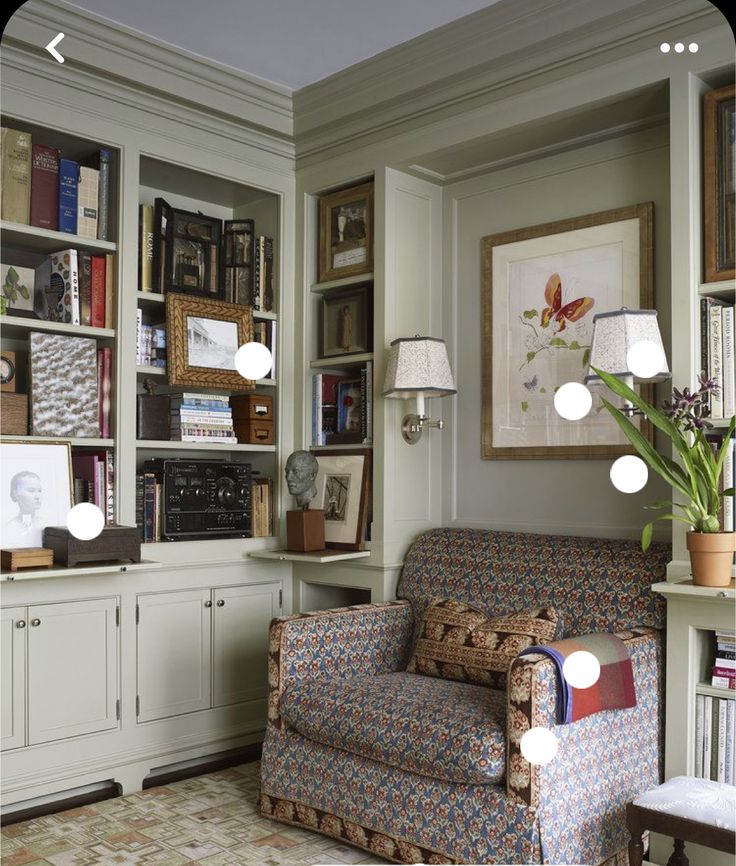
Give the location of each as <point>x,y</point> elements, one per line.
<point>711,557</point>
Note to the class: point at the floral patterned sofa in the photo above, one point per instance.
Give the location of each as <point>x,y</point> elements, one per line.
<point>419,769</point>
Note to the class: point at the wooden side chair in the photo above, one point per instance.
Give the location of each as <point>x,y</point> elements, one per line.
<point>689,810</point>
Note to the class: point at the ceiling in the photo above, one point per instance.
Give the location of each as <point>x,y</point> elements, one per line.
<point>290,42</point>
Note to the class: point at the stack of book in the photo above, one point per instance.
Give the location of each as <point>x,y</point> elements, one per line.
<point>717,353</point>
<point>261,499</point>
<point>148,506</point>
<point>202,418</point>
<point>714,739</point>
<point>726,516</point>
<point>342,407</point>
<point>42,188</point>
<point>150,343</point>
<point>94,480</point>
<point>723,673</point>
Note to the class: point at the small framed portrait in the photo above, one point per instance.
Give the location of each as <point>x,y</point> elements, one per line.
<point>347,322</point>
<point>37,490</point>
<point>346,233</point>
<point>343,493</point>
<point>719,143</point>
<point>202,338</point>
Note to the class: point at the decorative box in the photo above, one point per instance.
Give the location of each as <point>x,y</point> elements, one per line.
<point>153,416</point>
<point>254,432</point>
<point>113,544</point>
<point>248,407</point>
<point>26,557</point>
<point>13,414</point>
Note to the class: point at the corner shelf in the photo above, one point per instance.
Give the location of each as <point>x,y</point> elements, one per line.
<point>47,241</point>
<point>75,442</point>
<point>14,326</point>
<point>311,556</point>
<point>166,444</point>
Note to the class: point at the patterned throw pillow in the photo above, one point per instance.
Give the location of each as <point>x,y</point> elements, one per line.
<point>458,642</point>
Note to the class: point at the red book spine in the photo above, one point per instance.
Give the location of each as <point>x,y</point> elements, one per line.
<point>98,292</point>
<point>723,672</point>
<point>45,187</point>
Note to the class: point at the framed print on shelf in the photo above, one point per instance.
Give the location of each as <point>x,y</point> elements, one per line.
<point>202,338</point>
<point>343,492</point>
<point>347,323</point>
<point>719,146</point>
<point>346,232</point>
<point>542,286</point>
<point>36,490</point>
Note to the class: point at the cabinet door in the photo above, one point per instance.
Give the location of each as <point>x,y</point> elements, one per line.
<point>240,652</point>
<point>13,677</point>
<point>72,669</point>
<point>174,632</point>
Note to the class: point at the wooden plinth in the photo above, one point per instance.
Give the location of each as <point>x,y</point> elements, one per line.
<point>305,530</point>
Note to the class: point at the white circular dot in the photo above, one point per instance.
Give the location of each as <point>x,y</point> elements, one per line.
<point>679,47</point>
<point>253,361</point>
<point>693,47</point>
<point>664,47</point>
<point>539,745</point>
<point>629,473</point>
<point>85,521</point>
<point>581,669</point>
<point>573,401</point>
<point>645,359</point>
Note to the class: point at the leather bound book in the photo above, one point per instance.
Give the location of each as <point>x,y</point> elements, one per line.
<point>97,292</point>
<point>16,175</point>
<point>45,187</point>
<point>68,181</point>
<point>153,416</point>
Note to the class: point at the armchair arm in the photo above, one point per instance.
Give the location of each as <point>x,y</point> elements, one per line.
<point>351,641</point>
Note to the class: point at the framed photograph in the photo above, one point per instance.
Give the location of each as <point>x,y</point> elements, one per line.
<point>719,137</point>
<point>343,492</point>
<point>346,233</point>
<point>347,323</point>
<point>542,286</point>
<point>202,338</point>
<point>36,489</point>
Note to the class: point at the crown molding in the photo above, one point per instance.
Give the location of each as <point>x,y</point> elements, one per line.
<point>121,55</point>
<point>484,56</point>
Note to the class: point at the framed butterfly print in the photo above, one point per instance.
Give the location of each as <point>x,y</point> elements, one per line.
<point>542,286</point>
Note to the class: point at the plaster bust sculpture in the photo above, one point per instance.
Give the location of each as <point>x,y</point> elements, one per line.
<point>301,470</point>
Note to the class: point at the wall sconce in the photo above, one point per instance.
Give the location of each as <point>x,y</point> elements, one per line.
<point>628,344</point>
<point>418,367</point>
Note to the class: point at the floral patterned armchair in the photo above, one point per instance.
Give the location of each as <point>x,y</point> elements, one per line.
<point>419,769</point>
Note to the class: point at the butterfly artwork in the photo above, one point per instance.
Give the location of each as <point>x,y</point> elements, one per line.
<point>554,311</point>
<point>531,384</point>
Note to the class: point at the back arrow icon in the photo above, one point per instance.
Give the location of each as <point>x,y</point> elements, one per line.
<point>51,47</point>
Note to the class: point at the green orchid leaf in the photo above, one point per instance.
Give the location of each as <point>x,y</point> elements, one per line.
<point>530,356</point>
<point>646,536</point>
<point>586,358</point>
<point>524,406</point>
<point>557,341</point>
<point>530,314</point>
<point>574,345</point>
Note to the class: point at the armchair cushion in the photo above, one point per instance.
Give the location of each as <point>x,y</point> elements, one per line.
<point>458,642</point>
<point>446,730</point>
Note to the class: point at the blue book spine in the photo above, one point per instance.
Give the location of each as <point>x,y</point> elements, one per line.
<point>68,181</point>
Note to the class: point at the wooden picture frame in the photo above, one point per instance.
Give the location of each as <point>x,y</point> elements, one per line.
<point>343,493</point>
<point>346,233</point>
<point>347,322</point>
<point>45,499</point>
<point>202,337</point>
<point>719,199</point>
<point>541,287</point>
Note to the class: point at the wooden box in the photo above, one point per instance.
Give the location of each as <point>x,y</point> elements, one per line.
<point>153,416</point>
<point>254,431</point>
<point>13,414</point>
<point>257,407</point>
<point>305,530</point>
<point>114,543</point>
<point>26,557</point>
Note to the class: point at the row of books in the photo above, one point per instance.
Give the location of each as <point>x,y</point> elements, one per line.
<point>723,672</point>
<point>717,353</point>
<point>715,731</point>
<point>150,343</point>
<point>261,503</point>
<point>94,480</point>
<point>726,515</point>
<point>201,418</point>
<point>342,407</point>
<point>42,188</point>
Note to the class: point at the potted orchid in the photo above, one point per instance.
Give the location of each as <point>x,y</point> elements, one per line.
<point>695,480</point>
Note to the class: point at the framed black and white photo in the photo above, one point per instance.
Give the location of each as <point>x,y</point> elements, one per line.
<point>35,490</point>
<point>346,232</point>
<point>343,493</point>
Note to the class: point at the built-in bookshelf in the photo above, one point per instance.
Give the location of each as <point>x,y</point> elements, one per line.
<point>715,706</point>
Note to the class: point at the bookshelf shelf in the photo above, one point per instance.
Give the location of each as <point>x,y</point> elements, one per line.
<point>150,297</point>
<point>264,316</point>
<point>311,556</point>
<point>75,442</point>
<point>340,447</point>
<point>47,241</point>
<point>166,445</point>
<point>342,360</point>
<point>714,691</point>
<point>725,289</point>
<point>15,327</point>
<point>344,283</point>
<point>150,371</point>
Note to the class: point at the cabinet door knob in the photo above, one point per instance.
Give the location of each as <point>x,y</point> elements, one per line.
<point>220,602</point>
<point>21,623</point>
<point>208,604</point>
<point>36,621</point>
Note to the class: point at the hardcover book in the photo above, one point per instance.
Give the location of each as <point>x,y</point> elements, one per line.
<point>97,316</point>
<point>68,183</point>
<point>64,287</point>
<point>87,201</point>
<point>63,386</point>
<point>145,247</point>
<point>16,175</point>
<point>85,288</point>
<point>101,162</point>
<point>45,187</point>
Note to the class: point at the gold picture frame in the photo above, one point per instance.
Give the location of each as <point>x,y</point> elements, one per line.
<point>541,287</point>
<point>202,337</point>
<point>719,195</point>
<point>346,233</point>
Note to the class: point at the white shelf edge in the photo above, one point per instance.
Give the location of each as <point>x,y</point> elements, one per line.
<point>145,370</point>
<point>9,323</point>
<point>166,444</point>
<point>687,588</point>
<point>721,289</point>
<point>25,233</point>
<point>343,283</point>
<point>265,315</point>
<point>206,550</point>
<point>79,571</point>
<point>321,556</point>
<point>74,441</point>
<point>342,360</point>
<point>152,297</point>
<point>703,688</point>
<point>340,447</point>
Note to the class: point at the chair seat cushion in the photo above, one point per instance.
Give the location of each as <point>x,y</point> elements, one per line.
<point>711,803</point>
<point>439,728</point>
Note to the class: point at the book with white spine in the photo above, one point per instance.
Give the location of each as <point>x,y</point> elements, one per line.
<point>727,366</point>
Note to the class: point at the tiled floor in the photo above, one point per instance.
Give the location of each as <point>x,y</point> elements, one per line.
<point>212,820</point>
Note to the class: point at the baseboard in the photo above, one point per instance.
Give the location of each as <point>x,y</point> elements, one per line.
<point>199,766</point>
